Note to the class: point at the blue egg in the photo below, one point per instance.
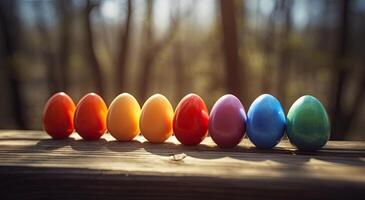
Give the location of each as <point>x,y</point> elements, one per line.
<point>266,122</point>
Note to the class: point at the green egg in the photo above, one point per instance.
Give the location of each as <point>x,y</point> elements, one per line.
<point>308,126</point>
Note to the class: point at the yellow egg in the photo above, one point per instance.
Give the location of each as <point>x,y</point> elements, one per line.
<point>156,119</point>
<point>123,117</point>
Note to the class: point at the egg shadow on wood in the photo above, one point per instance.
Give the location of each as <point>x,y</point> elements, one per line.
<point>296,157</point>
<point>251,153</point>
<point>85,146</point>
<point>121,146</point>
<point>162,149</point>
<point>274,150</point>
<point>215,152</point>
<point>350,161</point>
<point>270,156</point>
<point>240,152</point>
<point>52,144</point>
<point>332,151</point>
<point>200,151</point>
<point>203,151</point>
<point>343,157</point>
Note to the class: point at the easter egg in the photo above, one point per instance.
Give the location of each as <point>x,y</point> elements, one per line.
<point>191,118</point>
<point>90,117</point>
<point>155,122</point>
<point>227,121</point>
<point>266,122</point>
<point>58,116</point>
<point>308,126</point>
<point>123,117</point>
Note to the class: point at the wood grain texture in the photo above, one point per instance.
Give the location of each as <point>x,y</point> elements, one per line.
<point>34,166</point>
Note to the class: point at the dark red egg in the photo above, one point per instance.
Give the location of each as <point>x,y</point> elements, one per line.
<point>190,123</point>
<point>58,116</point>
<point>90,117</point>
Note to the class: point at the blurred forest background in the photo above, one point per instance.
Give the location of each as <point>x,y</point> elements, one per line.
<point>287,48</point>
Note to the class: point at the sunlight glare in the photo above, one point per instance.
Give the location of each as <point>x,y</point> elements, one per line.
<point>110,9</point>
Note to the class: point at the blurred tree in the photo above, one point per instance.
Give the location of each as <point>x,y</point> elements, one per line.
<point>152,48</point>
<point>10,39</point>
<point>178,62</point>
<point>179,70</point>
<point>343,119</point>
<point>90,47</point>
<point>340,74</point>
<point>122,57</point>
<point>66,15</point>
<point>268,45</point>
<point>55,60</point>
<point>285,52</point>
<point>47,50</point>
<point>148,52</point>
<point>235,70</point>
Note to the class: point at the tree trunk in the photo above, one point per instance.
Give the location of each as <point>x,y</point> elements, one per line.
<point>269,46</point>
<point>46,51</point>
<point>122,57</point>
<point>357,104</point>
<point>179,71</point>
<point>340,75</point>
<point>90,51</point>
<point>285,54</point>
<point>66,15</point>
<point>234,75</point>
<point>152,48</point>
<point>9,34</point>
<point>147,54</point>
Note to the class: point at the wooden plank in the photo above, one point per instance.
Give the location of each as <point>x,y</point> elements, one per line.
<point>38,166</point>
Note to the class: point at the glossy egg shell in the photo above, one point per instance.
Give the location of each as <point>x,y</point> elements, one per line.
<point>266,122</point>
<point>308,126</point>
<point>191,118</point>
<point>227,121</point>
<point>123,117</point>
<point>58,116</point>
<point>90,117</point>
<point>155,122</point>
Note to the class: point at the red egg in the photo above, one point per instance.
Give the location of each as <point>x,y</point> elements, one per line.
<point>90,117</point>
<point>58,116</point>
<point>190,123</point>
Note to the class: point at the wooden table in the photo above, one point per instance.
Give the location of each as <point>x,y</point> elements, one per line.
<point>34,166</point>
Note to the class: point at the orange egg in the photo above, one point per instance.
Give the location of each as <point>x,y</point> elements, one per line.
<point>58,116</point>
<point>123,117</point>
<point>156,119</point>
<point>90,117</point>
